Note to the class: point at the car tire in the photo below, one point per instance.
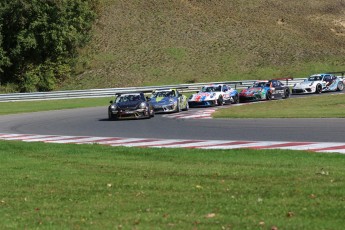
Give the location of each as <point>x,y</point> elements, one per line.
<point>340,86</point>
<point>268,95</point>
<point>178,109</point>
<point>237,99</point>
<point>318,89</point>
<point>220,101</point>
<point>187,107</point>
<point>286,94</point>
<point>111,116</point>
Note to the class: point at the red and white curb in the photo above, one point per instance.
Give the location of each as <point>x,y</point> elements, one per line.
<point>192,114</point>
<point>200,114</point>
<point>178,143</point>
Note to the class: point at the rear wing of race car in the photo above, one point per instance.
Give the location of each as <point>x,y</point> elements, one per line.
<point>130,92</point>
<point>233,83</point>
<point>286,79</point>
<point>170,88</point>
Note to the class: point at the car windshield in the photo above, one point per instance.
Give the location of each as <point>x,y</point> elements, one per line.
<point>209,89</point>
<point>314,78</point>
<point>163,94</point>
<point>126,98</point>
<point>260,84</point>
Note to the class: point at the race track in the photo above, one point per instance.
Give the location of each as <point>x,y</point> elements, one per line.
<point>94,122</point>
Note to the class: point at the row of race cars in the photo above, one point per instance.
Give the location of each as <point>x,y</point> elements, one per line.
<point>137,105</point>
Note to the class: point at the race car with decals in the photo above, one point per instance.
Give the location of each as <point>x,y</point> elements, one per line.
<point>214,94</point>
<point>168,101</point>
<point>265,90</point>
<point>318,83</point>
<point>130,105</point>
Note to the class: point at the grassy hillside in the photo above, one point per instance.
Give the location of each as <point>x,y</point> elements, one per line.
<point>156,42</point>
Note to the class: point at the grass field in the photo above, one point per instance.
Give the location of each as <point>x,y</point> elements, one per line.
<point>54,186</point>
<point>36,106</point>
<point>327,106</point>
<point>138,43</point>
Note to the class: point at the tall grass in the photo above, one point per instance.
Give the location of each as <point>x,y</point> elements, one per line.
<point>152,42</point>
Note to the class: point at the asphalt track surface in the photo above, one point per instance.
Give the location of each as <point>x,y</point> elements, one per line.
<point>94,122</point>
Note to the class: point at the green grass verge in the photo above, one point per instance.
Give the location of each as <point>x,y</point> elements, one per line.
<point>327,106</point>
<point>53,186</point>
<point>36,106</point>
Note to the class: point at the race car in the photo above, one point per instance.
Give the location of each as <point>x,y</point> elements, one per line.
<point>265,90</point>
<point>168,100</point>
<point>319,83</point>
<point>130,105</point>
<point>212,95</point>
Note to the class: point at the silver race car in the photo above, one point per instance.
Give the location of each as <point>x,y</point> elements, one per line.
<point>168,100</point>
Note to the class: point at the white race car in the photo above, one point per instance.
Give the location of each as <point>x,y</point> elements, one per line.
<point>319,83</point>
<point>212,95</point>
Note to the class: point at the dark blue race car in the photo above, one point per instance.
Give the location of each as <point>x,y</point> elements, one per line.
<point>130,105</point>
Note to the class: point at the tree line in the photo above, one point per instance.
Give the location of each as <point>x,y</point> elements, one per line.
<point>39,40</point>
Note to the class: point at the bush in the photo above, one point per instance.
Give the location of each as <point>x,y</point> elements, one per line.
<point>39,40</point>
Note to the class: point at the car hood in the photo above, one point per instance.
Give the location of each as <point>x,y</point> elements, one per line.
<point>128,104</point>
<point>306,83</point>
<point>162,100</point>
<point>204,96</point>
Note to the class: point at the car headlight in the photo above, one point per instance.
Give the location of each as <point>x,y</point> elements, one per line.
<point>113,107</point>
<point>294,85</point>
<point>311,84</point>
<point>142,105</point>
<point>171,100</point>
<point>213,95</point>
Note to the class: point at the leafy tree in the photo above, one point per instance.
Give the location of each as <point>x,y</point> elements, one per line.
<point>40,38</point>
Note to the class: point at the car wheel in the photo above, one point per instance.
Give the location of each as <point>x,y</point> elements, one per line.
<point>268,95</point>
<point>187,107</point>
<point>340,86</point>
<point>286,94</point>
<point>220,101</point>
<point>318,89</point>
<point>237,99</point>
<point>178,109</point>
<point>110,115</point>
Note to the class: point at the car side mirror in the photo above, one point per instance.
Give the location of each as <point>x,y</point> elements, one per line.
<point>111,102</point>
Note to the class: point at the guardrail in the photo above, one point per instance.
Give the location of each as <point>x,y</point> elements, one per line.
<point>93,93</point>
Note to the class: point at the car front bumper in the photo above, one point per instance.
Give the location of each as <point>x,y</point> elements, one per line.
<point>202,103</point>
<point>302,90</point>
<point>165,108</point>
<point>127,114</point>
